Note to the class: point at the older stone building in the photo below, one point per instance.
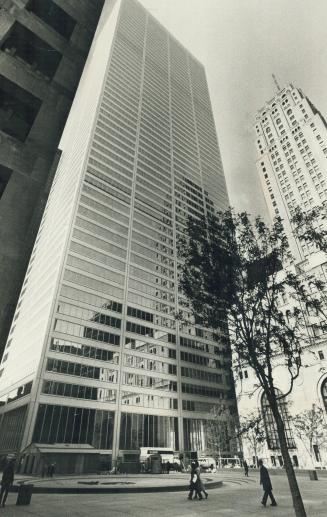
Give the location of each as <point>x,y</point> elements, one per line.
<point>43,48</point>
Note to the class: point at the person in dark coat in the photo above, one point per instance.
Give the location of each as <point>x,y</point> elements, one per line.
<point>52,469</point>
<point>200,485</point>
<point>6,482</point>
<point>266,485</point>
<point>194,483</point>
<point>246,468</point>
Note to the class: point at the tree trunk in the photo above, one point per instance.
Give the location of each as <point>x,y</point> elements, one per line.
<point>292,481</point>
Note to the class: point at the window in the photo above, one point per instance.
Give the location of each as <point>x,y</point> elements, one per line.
<point>63,424</point>
<point>321,354</point>
<point>28,47</point>
<point>53,15</point>
<point>18,109</point>
<point>270,424</point>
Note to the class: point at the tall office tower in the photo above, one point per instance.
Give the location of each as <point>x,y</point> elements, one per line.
<point>43,48</point>
<point>291,141</point>
<point>95,366</point>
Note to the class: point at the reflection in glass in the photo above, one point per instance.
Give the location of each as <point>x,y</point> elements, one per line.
<point>148,431</point>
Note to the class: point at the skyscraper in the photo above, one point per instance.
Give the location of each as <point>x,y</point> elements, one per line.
<point>95,358</point>
<point>43,48</point>
<point>291,142</point>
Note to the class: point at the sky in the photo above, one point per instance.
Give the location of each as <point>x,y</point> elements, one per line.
<point>241,43</point>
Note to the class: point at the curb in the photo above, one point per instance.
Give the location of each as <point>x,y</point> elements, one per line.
<point>116,490</point>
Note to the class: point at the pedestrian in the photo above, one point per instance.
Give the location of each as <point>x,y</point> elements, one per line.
<point>168,466</point>
<point>266,485</point>
<point>246,469</point>
<point>201,486</point>
<point>194,485</point>
<point>6,482</point>
<point>52,469</point>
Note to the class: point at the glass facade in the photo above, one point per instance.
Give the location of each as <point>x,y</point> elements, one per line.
<point>66,424</point>
<point>144,159</point>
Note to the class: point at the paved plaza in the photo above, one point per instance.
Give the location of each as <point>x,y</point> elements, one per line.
<point>237,497</point>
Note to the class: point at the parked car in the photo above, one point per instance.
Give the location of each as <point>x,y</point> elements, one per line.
<point>208,464</point>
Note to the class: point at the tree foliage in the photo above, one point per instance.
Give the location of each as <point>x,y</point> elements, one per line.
<point>311,226</point>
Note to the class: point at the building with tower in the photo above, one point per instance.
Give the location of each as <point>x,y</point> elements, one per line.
<point>96,365</point>
<point>291,143</point>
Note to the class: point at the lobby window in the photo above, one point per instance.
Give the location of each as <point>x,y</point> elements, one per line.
<point>4,178</point>
<point>18,109</point>
<point>28,47</point>
<point>52,15</point>
<point>270,424</point>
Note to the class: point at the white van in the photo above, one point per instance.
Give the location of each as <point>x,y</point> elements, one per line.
<point>165,453</point>
<point>208,464</point>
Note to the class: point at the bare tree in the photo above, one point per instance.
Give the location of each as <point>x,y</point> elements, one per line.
<point>222,432</point>
<point>252,431</point>
<point>311,428</point>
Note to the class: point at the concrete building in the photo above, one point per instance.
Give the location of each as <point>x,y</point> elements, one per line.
<point>291,142</point>
<point>43,48</point>
<point>95,366</point>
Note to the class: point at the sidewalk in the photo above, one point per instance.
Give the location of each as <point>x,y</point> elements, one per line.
<point>239,496</point>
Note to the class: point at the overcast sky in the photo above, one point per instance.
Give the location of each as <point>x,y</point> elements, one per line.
<point>241,43</point>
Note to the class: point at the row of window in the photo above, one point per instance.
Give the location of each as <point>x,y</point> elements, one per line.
<point>151,348</point>
<point>86,314</point>
<point>90,299</point>
<point>80,350</point>
<point>143,381</point>
<point>62,389</point>
<point>149,401</point>
<point>199,359</point>
<point>201,375</point>
<point>17,393</point>
<point>82,370</point>
<point>149,364</point>
<point>204,391</point>
<point>66,327</point>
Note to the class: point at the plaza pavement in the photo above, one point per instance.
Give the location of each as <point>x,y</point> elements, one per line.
<point>238,497</point>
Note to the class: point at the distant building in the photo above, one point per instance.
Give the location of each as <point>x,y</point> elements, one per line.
<point>291,142</point>
<point>43,47</point>
<point>95,361</point>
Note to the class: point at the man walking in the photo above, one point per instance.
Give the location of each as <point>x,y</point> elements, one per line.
<point>6,482</point>
<point>266,485</point>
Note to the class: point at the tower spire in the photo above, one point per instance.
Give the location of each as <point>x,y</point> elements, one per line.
<point>276,82</point>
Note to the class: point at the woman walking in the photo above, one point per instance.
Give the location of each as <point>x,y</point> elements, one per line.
<point>201,487</point>
<point>194,482</point>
